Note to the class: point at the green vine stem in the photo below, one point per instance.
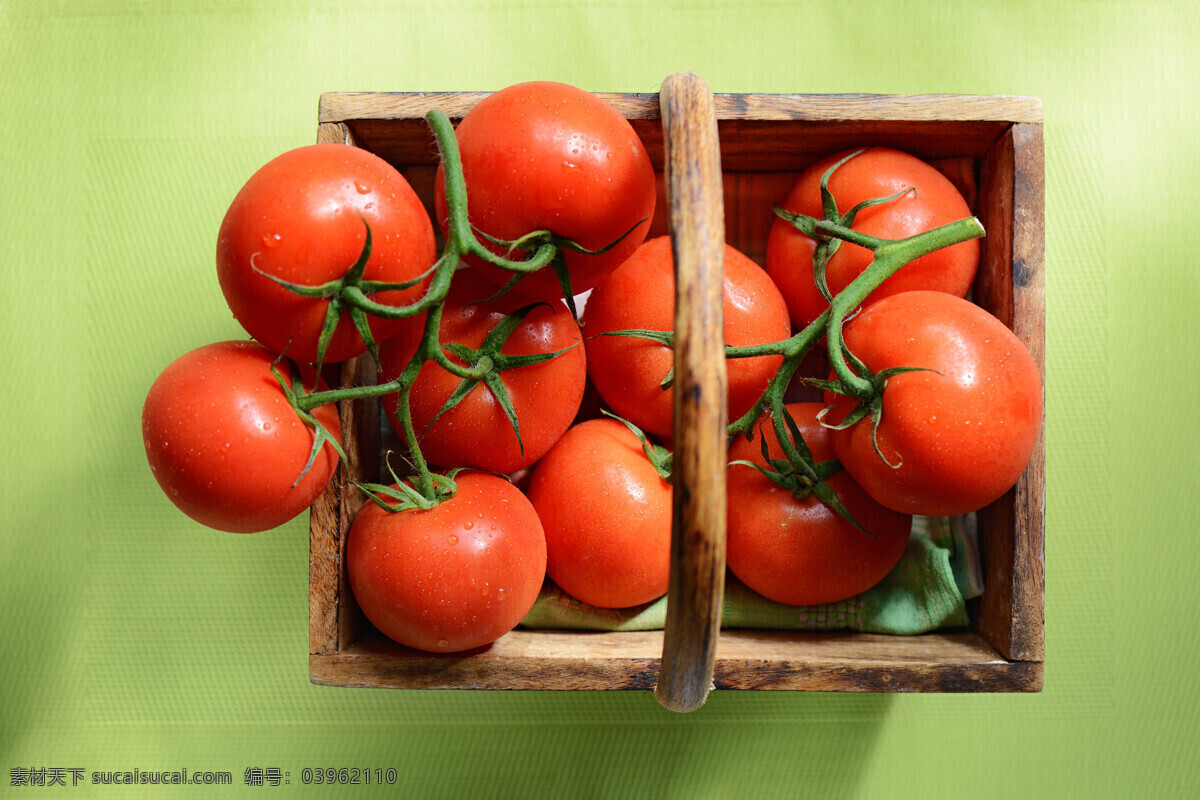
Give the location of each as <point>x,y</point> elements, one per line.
<point>544,249</point>
<point>460,241</point>
<point>890,256</point>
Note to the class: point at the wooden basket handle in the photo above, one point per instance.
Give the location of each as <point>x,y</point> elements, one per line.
<point>697,224</point>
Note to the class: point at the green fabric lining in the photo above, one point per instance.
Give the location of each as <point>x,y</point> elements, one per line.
<point>928,589</point>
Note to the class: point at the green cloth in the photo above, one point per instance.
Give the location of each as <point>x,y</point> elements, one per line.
<point>928,589</point>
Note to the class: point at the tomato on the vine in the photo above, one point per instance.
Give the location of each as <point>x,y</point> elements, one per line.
<point>302,218</point>
<point>550,156</point>
<point>877,172</point>
<point>226,446</point>
<point>640,295</point>
<point>606,512</point>
<point>956,434</point>
<point>477,431</point>
<point>799,551</point>
<point>454,577</point>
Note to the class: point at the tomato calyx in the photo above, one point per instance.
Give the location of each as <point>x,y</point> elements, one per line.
<point>870,406</point>
<point>485,363</point>
<point>659,457</point>
<point>541,243</point>
<point>350,293</point>
<point>407,498</point>
<point>821,230</point>
<point>798,472</point>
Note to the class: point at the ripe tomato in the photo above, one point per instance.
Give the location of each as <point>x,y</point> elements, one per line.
<point>226,446</point>
<point>300,218</point>
<point>456,577</point>
<point>963,430</point>
<point>477,432</point>
<point>800,551</point>
<point>549,156</point>
<point>640,294</point>
<point>876,172</point>
<point>607,516</point>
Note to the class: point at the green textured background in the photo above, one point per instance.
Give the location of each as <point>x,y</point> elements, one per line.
<point>130,638</point>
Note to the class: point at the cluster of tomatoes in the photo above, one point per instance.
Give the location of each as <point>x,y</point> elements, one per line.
<point>484,361</point>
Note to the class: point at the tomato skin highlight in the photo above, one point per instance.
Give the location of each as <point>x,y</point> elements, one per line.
<point>876,172</point>
<point>963,430</point>
<point>607,516</point>
<point>453,578</point>
<point>800,551</point>
<point>640,294</point>
<point>300,218</point>
<point>477,432</point>
<point>225,445</point>
<point>550,156</point>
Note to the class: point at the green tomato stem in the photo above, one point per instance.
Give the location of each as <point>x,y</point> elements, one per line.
<point>890,256</point>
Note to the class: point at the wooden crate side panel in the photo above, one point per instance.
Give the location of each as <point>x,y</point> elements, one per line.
<point>1011,286</point>
<point>758,132</point>
<point>941,661</point>
<point>324,522</point>
<point>745,661</point>
<point>334,618</point>
<point>1007,109</point>
<point>1029,314</point>
<point>526,660</point>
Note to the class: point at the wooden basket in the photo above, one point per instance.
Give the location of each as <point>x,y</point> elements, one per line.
<point>992,145</point>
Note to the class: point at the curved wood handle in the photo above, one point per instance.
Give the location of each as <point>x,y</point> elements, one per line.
<point>697,222</point>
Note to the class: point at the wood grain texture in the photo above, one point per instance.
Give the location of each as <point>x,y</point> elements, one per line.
<point>697,221</point>
<point>756,132</point>
<point>334,619</point>
<point>342,106</point>
<point>334,133</point>
<point>958,661</point>
<point>1011,285</point>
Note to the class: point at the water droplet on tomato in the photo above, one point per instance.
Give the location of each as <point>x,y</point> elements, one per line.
<point>443,643</point>
<point>362,187</point>
<point>452,539</point>
<point>271,239</point>
<point>468,525</point>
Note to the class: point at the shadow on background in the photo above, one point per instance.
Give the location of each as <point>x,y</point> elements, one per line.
<point>622,744</point>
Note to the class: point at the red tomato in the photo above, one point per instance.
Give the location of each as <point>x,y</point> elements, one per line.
<point>876,172</point>
<point>456,577</point>
<point>477,432</point>
<point>549,156</point>
<point>800,551</point>
<point>961,433</point>
<point>301,218</point>
<point>226,446</point>
<point>640,294</point>
<point>607,516</point>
